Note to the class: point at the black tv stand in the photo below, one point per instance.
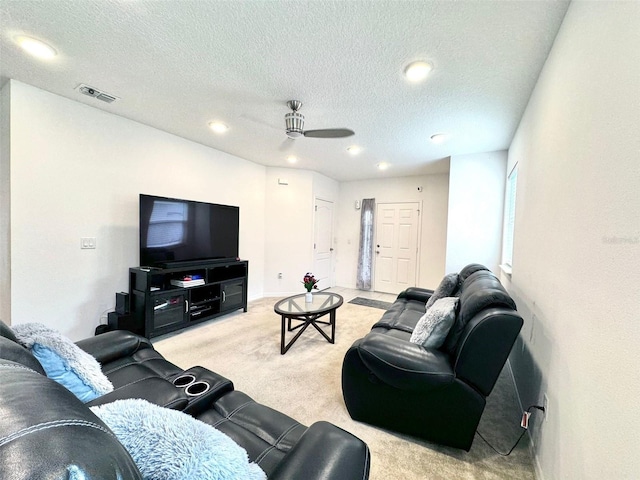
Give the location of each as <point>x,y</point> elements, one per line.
<point>160,305</point>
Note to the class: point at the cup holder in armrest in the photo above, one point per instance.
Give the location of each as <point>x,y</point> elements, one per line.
<point>196,389</point>
<point>202,387</point>
<point>184,380</point>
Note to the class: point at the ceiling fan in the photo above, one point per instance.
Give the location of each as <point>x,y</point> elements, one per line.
<point>294,122</point>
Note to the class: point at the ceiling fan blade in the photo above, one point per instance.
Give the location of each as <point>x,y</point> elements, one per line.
<point>286,144</point>
<point>329,133</point>
<point>260,121</point>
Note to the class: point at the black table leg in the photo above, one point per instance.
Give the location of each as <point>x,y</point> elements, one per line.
<point>306,320</point>
<point>282,350</point>
<point>332,317</point>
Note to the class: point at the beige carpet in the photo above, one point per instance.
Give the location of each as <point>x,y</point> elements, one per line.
<point>305,384</point>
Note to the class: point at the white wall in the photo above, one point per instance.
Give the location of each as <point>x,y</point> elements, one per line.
<point>577,246</point>
<point>289,220</point>
<point>325,188</point>
<point>434,197</point>
<point>77,172</point>
<point>288,233</point>
<point>5,205</point>
<point>476,205</point>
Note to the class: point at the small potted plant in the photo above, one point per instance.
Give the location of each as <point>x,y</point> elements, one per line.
<point>309,282</point>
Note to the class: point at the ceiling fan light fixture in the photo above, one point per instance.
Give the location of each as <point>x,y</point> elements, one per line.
<point>439,138</point>
<point>417,71</point>
<point>354,149</point>
<point>294,123</point>
<point>292,159</point>
<point>35,47</point>
<point>218,127</point>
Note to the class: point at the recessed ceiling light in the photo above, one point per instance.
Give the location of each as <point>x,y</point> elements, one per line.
<point>292,159</point>
<point>218,127</point>
<point>417,71</point>
<point>382,166</point>
<point>439,138</point>
<point>354,149</point>
<point>36,47</point>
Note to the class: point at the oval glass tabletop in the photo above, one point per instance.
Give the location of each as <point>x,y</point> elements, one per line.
<point>296,305</point>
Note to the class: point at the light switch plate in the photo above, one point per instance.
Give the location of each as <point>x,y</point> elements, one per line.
<point>88,243</point>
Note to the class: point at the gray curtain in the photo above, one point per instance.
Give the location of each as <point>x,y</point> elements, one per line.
<point>365,254</point>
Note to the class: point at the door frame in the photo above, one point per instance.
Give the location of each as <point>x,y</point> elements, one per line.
<point>332,279</point>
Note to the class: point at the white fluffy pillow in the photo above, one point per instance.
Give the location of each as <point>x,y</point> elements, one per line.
<point>433,327</point>
<point>170,445</point>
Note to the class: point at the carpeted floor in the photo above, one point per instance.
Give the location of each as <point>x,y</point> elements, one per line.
<point>305,384</point>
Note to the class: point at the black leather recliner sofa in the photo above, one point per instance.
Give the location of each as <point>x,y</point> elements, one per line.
<point>434,394</point>
<point>47,433</point>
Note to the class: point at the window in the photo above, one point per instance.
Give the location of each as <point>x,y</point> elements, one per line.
<point>509,219</point>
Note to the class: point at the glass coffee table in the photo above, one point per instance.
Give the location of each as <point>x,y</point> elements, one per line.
<point>296,309</point>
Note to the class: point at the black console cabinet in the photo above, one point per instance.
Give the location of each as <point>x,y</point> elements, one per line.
<point>158,306</point>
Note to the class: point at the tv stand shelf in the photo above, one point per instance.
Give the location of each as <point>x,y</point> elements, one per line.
<point>159,307</point>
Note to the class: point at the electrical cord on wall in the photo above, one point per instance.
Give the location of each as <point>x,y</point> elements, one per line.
<point>524,424</point>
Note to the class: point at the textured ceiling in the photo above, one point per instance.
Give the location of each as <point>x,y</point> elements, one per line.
<point>176,65</point>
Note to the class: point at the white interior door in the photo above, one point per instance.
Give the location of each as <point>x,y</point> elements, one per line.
<point>396,246</point>
<point>323,243</point>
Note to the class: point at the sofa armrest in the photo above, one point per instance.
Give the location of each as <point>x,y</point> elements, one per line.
<point>403,364</point>
<point>416,293</point>
<point>489,336</point>
<point>154,390</point>
<point>110,346</point>
<point>325,452</point>
<point>48,433</point>
<point>218,386</point>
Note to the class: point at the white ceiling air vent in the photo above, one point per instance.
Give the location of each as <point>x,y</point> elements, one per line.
<point>95,93</point>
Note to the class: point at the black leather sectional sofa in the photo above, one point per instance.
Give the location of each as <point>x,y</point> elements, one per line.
<point>47,433</point>
<point>435,394</point>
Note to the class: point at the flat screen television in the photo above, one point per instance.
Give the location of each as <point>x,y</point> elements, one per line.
<point>174,231</point>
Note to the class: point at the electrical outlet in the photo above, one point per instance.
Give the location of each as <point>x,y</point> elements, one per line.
<point>279,275</point>
<point>545,405</point>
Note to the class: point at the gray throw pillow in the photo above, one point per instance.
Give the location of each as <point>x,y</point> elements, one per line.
<point>448,286</point>
<point>432,329</point>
